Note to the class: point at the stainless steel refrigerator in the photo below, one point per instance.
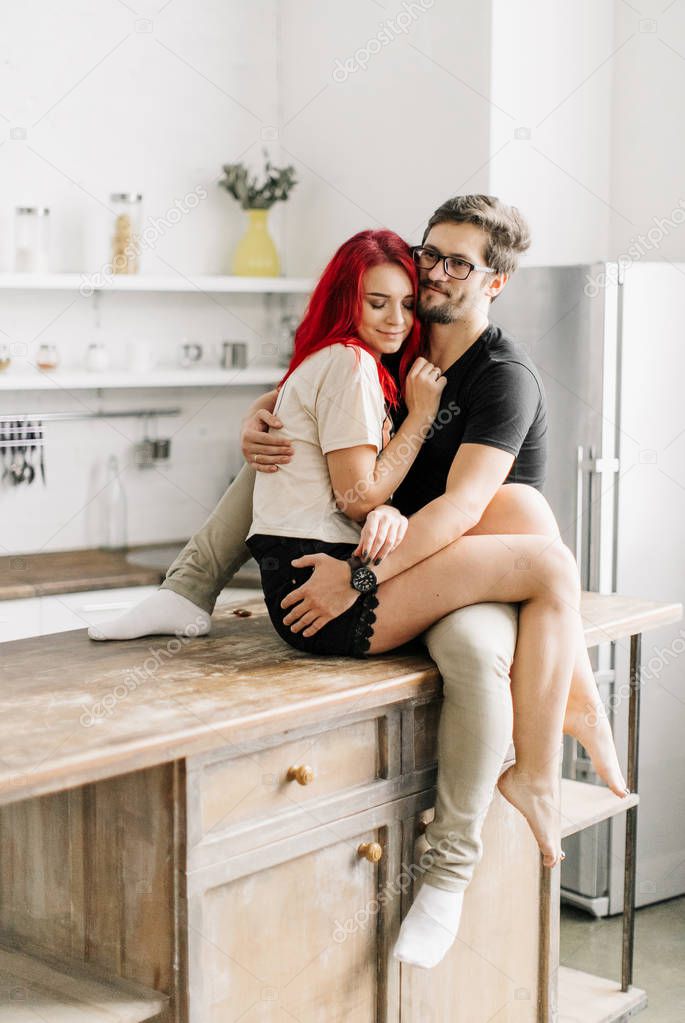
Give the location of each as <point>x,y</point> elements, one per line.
<point>609,342</point>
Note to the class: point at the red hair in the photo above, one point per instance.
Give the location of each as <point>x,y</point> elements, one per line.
<point>335,307</point>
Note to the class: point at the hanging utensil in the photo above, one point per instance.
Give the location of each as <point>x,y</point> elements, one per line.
<point>5,469</point>
<point>17,465</point>
<point>42,449</point>
<point>29,472</point>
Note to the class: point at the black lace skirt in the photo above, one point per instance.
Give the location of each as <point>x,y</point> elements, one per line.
<point>349,635</point>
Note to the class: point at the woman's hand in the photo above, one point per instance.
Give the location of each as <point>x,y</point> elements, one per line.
<point>327,594</point>
<point>263,450</point>
<point>422,389</point>
<point>383,530</point>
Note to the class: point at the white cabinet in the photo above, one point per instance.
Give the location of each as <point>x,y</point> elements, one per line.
<point>19,618</point>
<point>60,612</point>
<point>63,611</point>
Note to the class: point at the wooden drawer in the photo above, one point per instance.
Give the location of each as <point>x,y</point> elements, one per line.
<point>426,718</point>
<point>227,794</point>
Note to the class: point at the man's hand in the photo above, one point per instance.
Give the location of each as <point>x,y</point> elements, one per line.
<point>383,530</point>
<point>327,594</point>
<point>263,450</point>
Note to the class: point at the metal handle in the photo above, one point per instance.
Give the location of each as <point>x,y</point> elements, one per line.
<point>580,497</point>
<point>303,774</point>
<point>371,851</point>
<point>593,466</point>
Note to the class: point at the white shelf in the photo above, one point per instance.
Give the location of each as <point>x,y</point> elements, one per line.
<point>583,805</point>
<point>582,996</point>
<point>158,282</point>
<point>61,380</point>
<point>41,989</point>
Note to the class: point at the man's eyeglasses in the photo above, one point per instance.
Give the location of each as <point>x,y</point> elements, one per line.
<point>426,259</point>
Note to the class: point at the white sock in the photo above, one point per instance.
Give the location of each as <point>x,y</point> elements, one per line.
<point>162,613</point>
<point>430,927</point>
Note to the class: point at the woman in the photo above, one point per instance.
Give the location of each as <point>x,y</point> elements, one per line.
<point>331,403</point>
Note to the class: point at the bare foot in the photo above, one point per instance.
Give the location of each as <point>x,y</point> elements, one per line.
<point>539,803</point>
<point>590,726</point>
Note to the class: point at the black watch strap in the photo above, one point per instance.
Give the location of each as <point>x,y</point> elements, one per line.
<point>355,562</point>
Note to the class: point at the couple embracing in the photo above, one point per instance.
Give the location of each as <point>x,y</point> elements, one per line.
<point>393,492</point>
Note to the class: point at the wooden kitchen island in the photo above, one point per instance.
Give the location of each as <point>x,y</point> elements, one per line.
<point>224,829</point>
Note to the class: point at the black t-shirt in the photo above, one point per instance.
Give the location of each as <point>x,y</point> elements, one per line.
<point>493,396</point>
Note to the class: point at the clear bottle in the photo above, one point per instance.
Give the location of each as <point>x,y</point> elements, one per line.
<point>31,239</point>
<point>115,509</point>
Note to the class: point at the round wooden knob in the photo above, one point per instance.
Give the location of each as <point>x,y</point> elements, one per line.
<point>303,774</point>
<point>371,851</point>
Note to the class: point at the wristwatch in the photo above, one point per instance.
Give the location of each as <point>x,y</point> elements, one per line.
<point>363,579</point>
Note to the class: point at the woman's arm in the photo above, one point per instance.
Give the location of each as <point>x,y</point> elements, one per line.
<point>360,480</point>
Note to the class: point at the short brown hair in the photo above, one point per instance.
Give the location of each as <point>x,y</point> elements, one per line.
<point>506,228</point>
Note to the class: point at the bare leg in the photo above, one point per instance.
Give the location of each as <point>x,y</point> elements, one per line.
<point>517,508</point>
<point>540,573</point>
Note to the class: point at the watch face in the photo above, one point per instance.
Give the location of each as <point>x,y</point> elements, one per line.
<point>364,580</point>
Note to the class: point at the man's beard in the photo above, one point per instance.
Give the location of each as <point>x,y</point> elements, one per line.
<point>448,312</point>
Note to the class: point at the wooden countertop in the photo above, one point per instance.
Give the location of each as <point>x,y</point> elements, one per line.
<point>73,710</point>
<point>39,575</point>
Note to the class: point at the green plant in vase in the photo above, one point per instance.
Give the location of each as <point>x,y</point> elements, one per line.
<point>256,254</point>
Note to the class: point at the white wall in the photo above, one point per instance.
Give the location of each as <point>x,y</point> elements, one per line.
<point>599,85</point>
<point>98,99</point>
<point>551,122</point>
<point>388,142</point>
<point>112,101</point>
<point>648,144</point>
<point>385,107</point>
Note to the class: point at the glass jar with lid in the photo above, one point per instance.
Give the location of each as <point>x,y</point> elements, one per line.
<point>31,239</point>
<point>128,222</point>
<point>48,357</point>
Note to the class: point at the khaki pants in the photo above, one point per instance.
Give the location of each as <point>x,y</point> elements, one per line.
<point>473,649</point>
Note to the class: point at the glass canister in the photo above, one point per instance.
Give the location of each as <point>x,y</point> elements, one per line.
<point>128,222</point>
<point>31,239</point>
<point>48,357</point>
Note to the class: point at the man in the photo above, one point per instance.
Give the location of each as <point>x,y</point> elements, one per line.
<point>493,431</point>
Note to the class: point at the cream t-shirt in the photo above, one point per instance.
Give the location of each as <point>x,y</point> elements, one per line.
<point>332,400</point>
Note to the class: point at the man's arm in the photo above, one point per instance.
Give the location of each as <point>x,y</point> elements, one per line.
<point>476,474</point>
<point>502,407</point>
<point>263,450</point>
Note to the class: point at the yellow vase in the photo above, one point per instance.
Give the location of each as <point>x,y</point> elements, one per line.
<point>256,254</point>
